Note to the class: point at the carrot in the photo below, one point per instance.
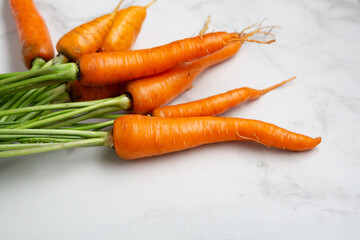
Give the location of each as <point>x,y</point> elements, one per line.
<point>33,34</point>
<point>126,27</point>
<point>155,91</point>
<point>79,92</point>
<point>214,105</point>
<point>122,36</point>
<point>86,38</point>
<point>102,68</point>
<point>138,136</point>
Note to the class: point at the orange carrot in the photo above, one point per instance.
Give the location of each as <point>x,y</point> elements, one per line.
<point>138,136</point>
<point>32,31</point>
<point>79,92</point>
<point>104,68</point>
<point>86,38</point>
<point>126,27</point>
<point>214,105</point>
<point>122,36</point>
<point>155,91</point>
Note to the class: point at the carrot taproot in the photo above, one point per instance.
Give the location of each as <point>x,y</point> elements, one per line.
<point>86,38</point>
<point>33,34</point>
<point>138,136</point>
<point>79,92</point>
<point>125,29</point>
<point>214,105</point>
<point>155,91</point>
<point>104,68</point>
<point>122,36</point>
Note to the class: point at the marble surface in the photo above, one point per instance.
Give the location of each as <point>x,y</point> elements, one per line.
<point>219,191</point>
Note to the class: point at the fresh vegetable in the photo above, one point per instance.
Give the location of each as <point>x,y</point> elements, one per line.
<point>125,29</point>
<point>214,105</point>
<point>86,38</point>
<point>155,91</point>
<point>138,136</point>
<point>122,36</point>
<point>79,92</point>
<point>103,68</point>
<point>33,34</point>
<point>70,113</point>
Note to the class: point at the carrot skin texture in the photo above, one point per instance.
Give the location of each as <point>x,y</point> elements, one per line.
<point>138,136</point>
<point>126,27</point>
<point>155,91</point>
<point>79,92</point>
<point>33,34</point>
<point>214,105</point>
<point>102,68</point>
<point>86,38</point>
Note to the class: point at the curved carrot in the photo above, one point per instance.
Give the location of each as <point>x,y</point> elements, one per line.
<point>79,92</point>
<point>214,105</point>
<point>32,31</point>
<point>155,91</point>
<point>86,38</point>
<point>138,136</point>
<point>104,68</point>
<point>126,27</point>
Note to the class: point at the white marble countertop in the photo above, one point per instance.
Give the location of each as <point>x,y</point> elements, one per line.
<point>219,191</point>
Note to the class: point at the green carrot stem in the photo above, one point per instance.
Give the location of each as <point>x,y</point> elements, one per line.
<point>46,140</point>
<point>36,116</point>
<point>66,69</point>
<point>30,100</point>
<point>48,91</point>
<point>31,86</point>
<point>59,91</point>
<point>16,136</point>
<point>92,114</point>
<point>52,114</point>
<point>38,78</point>
<point>2,124</point>
<point>93,126</point>
<point>110,116</point>
<point>39,132</point>
<point>59,59</point>
<point>4,99</point>
<point>53,147</point>
<point>35,82</point>
<point>37,63</point>
<point>17,103</point>
<point>9,75</point>
<point>122,102</point>
<point>10,102</point>
<point>23,146</point>
<point>51,107</point>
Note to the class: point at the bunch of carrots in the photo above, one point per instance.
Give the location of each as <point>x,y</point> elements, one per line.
<point>96,70</point>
